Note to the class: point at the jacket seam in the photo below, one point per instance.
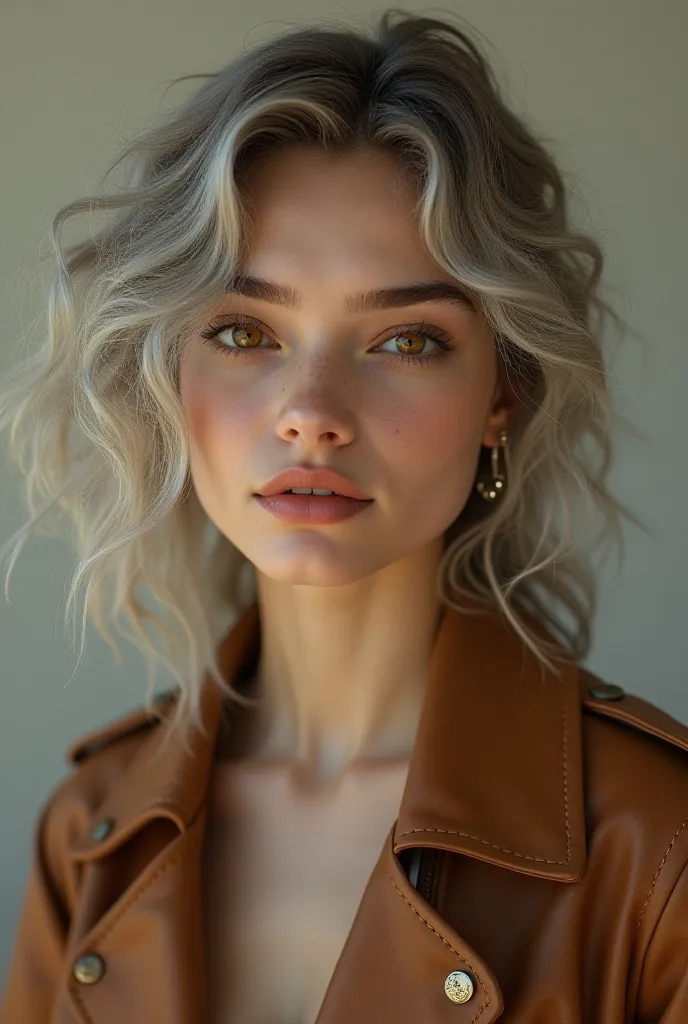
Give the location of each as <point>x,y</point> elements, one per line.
<point>515,853</point>
<point>677,833</point>
<point>171,805</point>
<point>454,951</point>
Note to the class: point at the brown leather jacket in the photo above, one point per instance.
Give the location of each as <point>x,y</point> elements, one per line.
<point>537,871</point>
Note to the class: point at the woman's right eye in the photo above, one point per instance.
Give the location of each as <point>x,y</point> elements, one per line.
<point>244,337</point>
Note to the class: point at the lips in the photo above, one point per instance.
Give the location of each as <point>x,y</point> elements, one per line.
<point>313,478</point>
<point>312,509</point>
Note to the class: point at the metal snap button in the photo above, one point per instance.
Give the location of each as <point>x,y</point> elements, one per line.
<point>459,986</point>
<point>89,968</point>
<point>607,691</point>
<point>103,828</point>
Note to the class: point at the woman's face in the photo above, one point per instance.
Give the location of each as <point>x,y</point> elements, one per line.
<point>366,393</point>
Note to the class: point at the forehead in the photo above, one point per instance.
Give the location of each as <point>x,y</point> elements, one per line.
<point>311,212</point>
<point>303,187</point>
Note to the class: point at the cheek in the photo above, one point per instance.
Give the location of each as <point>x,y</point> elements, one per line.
<point>219,422</point>
<point>441,435</point>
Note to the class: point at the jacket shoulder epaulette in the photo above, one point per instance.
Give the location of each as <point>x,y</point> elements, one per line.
<point>615,702</point>
<point>126,725</point>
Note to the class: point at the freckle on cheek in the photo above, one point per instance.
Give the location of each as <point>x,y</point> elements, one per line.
<point>431,432</point>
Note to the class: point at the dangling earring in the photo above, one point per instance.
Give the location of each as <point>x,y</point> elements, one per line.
<point>492,489</point>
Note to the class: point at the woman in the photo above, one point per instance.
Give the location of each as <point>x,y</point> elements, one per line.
<point>390,792</point>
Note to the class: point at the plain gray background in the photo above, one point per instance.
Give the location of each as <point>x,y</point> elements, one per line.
<point>605,79</point>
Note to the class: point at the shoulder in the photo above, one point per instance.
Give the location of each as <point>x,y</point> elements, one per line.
<point>651,728</point>
<point>133,723</point>
<point>97,758</point>
<point>635,763</point>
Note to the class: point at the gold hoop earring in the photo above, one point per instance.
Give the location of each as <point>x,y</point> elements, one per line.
<point>493,488</point>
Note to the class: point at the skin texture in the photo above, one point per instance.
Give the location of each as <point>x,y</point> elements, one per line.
<point>349,610</point>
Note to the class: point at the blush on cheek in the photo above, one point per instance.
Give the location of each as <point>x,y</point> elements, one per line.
<point>198,418</point>
<point>222,430</point>
<point>440,432</point>
<point>209,406</point>
<point>435,456</point>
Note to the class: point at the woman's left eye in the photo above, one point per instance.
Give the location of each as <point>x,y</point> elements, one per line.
<point>408,335</point>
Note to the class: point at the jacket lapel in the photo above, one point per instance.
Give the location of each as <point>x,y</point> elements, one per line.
<point>496,770</point>
<point>150,938</point>
<point>495,773</point>
<point>140,901</point>
<point>397,956</point>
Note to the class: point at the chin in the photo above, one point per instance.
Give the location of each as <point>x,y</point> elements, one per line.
<point>312,576</point>
<point>310,568</point>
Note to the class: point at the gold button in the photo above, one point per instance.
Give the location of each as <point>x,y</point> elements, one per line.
<point>89,968</point>
<point>459,986</point>
<point>607,691</point>
<point>103,828</point>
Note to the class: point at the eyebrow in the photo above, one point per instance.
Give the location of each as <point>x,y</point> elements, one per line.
<point>359,302</point>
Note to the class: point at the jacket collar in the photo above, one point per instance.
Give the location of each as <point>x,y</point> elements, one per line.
<point>495,773</point>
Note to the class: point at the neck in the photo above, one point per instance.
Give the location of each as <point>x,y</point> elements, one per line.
<point>342,670</point>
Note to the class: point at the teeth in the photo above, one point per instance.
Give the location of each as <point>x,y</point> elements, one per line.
<point>307,490</point>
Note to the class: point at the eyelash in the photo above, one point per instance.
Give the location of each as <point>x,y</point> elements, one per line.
<point>427,330</point>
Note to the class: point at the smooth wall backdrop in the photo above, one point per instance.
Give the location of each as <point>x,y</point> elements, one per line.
<point>604,80</point>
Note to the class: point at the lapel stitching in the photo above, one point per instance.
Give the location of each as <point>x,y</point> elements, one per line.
<point>447,943</point>
<point>515,853</point>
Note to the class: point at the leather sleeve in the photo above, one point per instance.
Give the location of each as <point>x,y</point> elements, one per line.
<point>37,963</point>
<point>663,992</point>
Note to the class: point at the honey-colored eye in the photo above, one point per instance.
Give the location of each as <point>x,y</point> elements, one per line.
<point>408,351</point>
<point>249,337</point>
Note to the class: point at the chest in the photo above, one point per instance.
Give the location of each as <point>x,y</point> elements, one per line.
<point>283,875</point>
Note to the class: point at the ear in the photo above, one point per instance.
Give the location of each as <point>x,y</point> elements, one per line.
<point>504,408</point>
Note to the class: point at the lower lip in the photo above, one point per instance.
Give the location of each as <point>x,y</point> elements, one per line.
<point>312,508</point>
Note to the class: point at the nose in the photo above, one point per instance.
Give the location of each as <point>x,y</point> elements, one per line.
<point>314,423</point>
<point>318,407</point>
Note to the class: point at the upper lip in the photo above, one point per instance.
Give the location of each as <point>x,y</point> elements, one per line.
<point>304,476</point>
